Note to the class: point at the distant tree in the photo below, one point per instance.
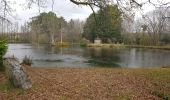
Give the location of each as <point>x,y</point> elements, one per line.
<point>47,24</point>
<point>144,27</point>
<point>74,30</point>
<point>106,26</point>
<point>90,28</point>
<point>157,24</point>
<point>165,38</point>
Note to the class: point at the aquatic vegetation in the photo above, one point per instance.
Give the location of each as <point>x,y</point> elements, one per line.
<point>27,60</point>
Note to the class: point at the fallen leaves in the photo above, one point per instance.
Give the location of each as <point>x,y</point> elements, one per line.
<point>89,84</point>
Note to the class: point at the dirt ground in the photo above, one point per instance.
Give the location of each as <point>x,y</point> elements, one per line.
<point>93,84</point>
<point>2,80</point>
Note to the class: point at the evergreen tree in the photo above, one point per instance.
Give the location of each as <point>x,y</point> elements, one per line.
<point>106,25</point>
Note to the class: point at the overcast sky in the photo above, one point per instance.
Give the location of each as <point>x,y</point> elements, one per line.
<point>63,8</point>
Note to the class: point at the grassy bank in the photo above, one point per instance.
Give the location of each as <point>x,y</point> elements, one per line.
<point>130,46</point>
<point>105,45</point>
<point>150,47</point>
<point>94,84</point>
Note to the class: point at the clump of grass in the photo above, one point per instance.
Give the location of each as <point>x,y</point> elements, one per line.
<point>27,61</point>
<point>161,95</point>
<point>5,86</point>
<point>3,49</point>
<point>62,44</point>
<point>84,42</point>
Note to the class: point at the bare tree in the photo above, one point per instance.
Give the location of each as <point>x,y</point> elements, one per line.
<point>74,30</point>
<point>157,23</point>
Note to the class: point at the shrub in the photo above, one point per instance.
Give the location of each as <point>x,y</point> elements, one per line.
<point>62,44</point>
<point>84,42</point>
<point>3,49</point>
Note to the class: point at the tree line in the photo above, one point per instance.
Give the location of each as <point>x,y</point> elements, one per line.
<point>153,28</point>
<point>111,23</point>
<point>48,28</point>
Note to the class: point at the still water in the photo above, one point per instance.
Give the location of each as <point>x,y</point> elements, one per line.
<point>75,56</point>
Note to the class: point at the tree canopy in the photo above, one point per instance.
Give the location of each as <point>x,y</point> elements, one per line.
<point>48,24</point>
<point>106,25</point>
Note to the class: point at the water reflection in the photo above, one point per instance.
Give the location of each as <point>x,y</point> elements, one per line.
<point>74,56</point>
<point>103,57</point>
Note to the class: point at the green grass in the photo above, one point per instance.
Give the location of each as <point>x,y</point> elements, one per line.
<point>160,74</point>
<point>161,95</point>
<point>5,86</point>
<point>160,79</point>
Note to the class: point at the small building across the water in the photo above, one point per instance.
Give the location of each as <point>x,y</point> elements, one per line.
<point>97,41</point>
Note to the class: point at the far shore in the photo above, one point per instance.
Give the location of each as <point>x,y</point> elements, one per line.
<point>166,47</point>
<point>104,45</point>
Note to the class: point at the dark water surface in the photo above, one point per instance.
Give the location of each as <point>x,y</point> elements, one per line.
<point>75,56</point>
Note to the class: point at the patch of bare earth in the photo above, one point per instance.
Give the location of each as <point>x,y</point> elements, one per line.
<point>2,81</point>
<point>85,84</point>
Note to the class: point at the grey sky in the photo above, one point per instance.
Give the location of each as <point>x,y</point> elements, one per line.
<point>61,7</point>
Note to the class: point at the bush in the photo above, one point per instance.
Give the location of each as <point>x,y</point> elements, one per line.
<point>3,49</point>
<point>84,42</point>
<point>165,39</point>
<point>62,44</point>
<point>27,61</point>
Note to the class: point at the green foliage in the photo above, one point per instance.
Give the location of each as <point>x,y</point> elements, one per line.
<point>105,24</point>
<point>46,23</point>
<point>165,39</point>
<point>84,42</point>
<point>90,28</point>
<point>3,49</point>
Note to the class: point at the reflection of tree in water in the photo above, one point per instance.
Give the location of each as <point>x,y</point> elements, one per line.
<point>104,57</point>
<point>54,49</point>
<point>70,50</point>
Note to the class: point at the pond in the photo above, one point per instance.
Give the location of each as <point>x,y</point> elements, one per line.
<point>75,56</point>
